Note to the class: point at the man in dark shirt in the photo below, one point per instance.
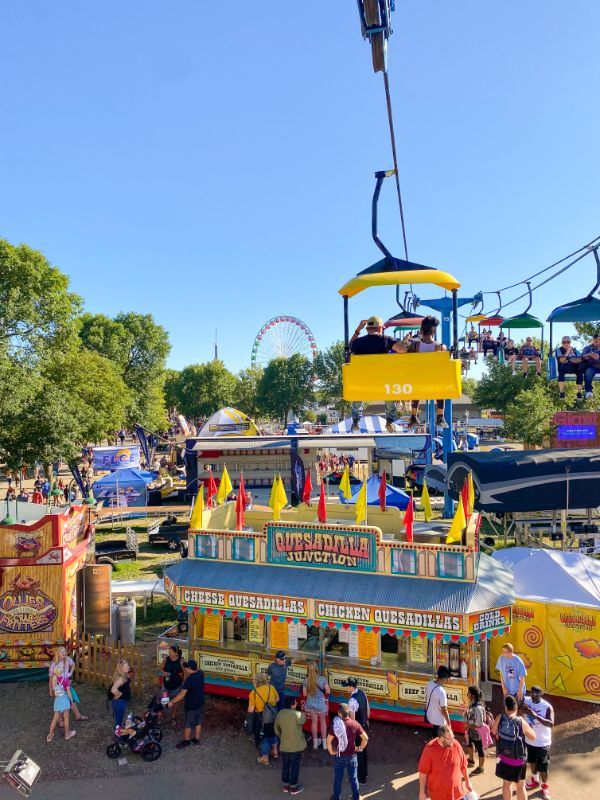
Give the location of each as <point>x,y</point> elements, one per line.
<point>192,692</point>
<point>568,362</point>
<point>373,343</point>
<point>591,363</point>
<point>345,732</point>
<point>360,710</point>
<point>277,672</point>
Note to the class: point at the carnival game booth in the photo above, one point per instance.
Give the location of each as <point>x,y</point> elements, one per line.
<point>556,620</point>
<point>360,600</point>
<point>39,565</point>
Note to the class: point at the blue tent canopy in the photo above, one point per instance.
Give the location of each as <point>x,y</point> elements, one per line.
<point>393,497</point>
<point>131,485</point>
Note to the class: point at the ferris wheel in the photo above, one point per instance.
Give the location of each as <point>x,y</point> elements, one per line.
<point>282,337</point>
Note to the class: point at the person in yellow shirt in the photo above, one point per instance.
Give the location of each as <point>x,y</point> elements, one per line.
<point>262,704</point>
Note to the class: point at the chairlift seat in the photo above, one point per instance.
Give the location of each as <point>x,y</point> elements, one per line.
<point>402,376</point>
<point>552,371</point>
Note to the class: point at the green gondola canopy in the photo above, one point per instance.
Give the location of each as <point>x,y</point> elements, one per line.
<point>587,309</point>
<point>522,321</point>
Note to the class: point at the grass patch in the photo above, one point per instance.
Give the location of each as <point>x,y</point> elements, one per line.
<point>160,616</point>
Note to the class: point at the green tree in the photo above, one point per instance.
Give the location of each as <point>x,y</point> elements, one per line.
<point>469,386</point>
<point>498,387</point>
<point>287,385</point>
<point>170,387</point>
<point>139,347</point>
<point>202,389</point>
<point>37,310</point>
<point>246,393</point>
<point>585,331</point>
<point>528,417</point>
<point>328,369</point>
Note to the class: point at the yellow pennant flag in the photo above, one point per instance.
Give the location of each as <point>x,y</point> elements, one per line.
<point>225,487</point>
<point>471,492</point>
<point>196,518</point>
<point>361,504</point>
<point>271,502</point>
<point>281,495</point>
<point>426,502</point>
<point>345,484</point>
<point>459,523</point>
<point>278,497</point>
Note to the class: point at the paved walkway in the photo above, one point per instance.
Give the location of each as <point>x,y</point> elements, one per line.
<point>572,777</point>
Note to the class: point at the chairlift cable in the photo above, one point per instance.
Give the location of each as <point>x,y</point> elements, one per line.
<point>390,117</point>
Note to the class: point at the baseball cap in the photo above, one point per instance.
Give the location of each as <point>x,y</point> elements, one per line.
<point>280,654</point>
<point>443,672</point>
<point>350,682</point>
<point>191,664</point>
<point>537,689</point>
<point>374,322</point>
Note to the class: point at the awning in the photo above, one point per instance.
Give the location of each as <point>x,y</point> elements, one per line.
<point>444,609</point>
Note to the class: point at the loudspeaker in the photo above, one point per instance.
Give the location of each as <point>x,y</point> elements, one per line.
<point>21,773</point>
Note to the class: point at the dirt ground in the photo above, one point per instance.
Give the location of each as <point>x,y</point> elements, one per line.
<point>393,750</point>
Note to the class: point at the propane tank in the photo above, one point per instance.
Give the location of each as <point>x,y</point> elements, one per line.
<point>127,617</point>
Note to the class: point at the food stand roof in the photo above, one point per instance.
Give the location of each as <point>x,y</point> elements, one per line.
<point>553,576</point>
<point>493,588</point>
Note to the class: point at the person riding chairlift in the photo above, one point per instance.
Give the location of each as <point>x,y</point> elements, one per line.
<point>591,359</point>
<point>425,344</point>
<point>566,365</point>
<point>529,352</point>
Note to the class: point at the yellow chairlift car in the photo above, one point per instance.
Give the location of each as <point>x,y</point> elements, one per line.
<point>400,376</point>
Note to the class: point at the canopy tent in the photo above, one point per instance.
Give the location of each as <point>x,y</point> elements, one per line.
<point>368,424</point>
<point>128,485</point>
<point>393,497</point>
<point>229,422</point>
<point>530,480</point>
<point>556,619</point>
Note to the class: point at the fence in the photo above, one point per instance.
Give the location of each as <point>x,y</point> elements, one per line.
<point>95,661</point>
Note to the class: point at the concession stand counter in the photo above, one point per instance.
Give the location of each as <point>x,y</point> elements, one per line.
<point>360,600</point>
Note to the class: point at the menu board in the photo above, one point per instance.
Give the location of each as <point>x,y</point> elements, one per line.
<point>256,631</point>
<point>212,628</point>
<point>279,635</point>
<point>418,651</point>
<point>368,645</point>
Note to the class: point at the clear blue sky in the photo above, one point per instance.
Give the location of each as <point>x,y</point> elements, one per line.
<point>216,170</point>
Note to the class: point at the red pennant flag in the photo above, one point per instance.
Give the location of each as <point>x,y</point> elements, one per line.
<point>240,505</point>
<point>322,509</point>
<point>307,491</point>
<point>211,490</point>
<point>407,520</point>
<point>464,497</point>
<point>382,491</point>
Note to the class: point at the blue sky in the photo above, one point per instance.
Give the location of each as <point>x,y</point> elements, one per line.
<point>217,170</point>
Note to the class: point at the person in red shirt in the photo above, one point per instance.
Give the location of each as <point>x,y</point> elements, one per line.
<point>443,768</point>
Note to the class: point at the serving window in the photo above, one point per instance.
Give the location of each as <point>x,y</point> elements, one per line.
<point>404,562</point>
<point>207,546</point>
<point>406,654</point>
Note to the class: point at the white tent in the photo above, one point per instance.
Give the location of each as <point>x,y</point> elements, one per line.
<point>229,422</point>
<point>368,424</point>
<point>553,575</point>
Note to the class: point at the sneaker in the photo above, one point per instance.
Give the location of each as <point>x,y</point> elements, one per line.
<point>296,789</point>
<point>580,395</point>
<point>588,395</point>
<point>389,426</point>
<point>324,744</point>
<point>561,395</point>
<point>545,791</point>
<point>182,745</point>
<point>316,744</point>
<point>285,788</point>
<point>532,783</point>
<point>355,426</point>
<point>195,741</point>
<point>440,421</point>
<point>478,771</point>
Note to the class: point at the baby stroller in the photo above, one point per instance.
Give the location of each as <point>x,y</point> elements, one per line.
<point>141,735</point>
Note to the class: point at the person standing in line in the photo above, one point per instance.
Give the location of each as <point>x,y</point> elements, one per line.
<point>277,672</point>
<point>540,715</point>
<point>62,703</point>
<point>360,710</point>
<point>443,768</point>
<point>512,673</point>
<point>436,708</point>
<point>316,690</point>
<point>474,714</point>
<point>345,732</point>
<point>120,691</point>
<point>262,710</point>
<point>511,749</point>
<point>288,727</point>
<point>192,693</point>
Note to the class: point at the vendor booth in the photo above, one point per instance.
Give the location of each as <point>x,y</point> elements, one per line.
<point>124,487</point>
<point>39,565</point>
<point>360,600</point>
<point>556,620</point>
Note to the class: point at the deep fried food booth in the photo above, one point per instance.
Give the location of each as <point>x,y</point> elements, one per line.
<point>360,600</point>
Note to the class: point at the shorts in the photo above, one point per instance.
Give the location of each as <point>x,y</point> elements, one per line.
<point>540,756</point>
<point>61,703</point>
<point>509,773</point>
<point>194,717</point>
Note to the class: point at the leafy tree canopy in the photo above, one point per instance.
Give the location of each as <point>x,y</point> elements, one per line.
<point>287,385</point>
<point>201,389</point>
<point>328,369</point>
<point>246,393</point>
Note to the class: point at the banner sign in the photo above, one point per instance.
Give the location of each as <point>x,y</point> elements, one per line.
<point>224,665</point>
<point>489,620</point>
<point>229,427</point>
<point>389,617</point>
<point>26,609</point>
<point>237,601</point>
<point>351,548</point>
<point>416,692</point>
<point>111,458</point>
<point>74,467</point>
<point>141,434</point>
<point>372,685</point>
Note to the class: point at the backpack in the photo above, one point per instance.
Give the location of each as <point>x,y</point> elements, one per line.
<point>511,741</point>
<point>269,711</point>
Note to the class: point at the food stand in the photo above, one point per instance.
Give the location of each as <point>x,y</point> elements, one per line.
<point>359,599</point>
<point>39,563</point>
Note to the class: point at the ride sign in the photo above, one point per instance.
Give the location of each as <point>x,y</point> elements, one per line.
<point>25,609</point>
